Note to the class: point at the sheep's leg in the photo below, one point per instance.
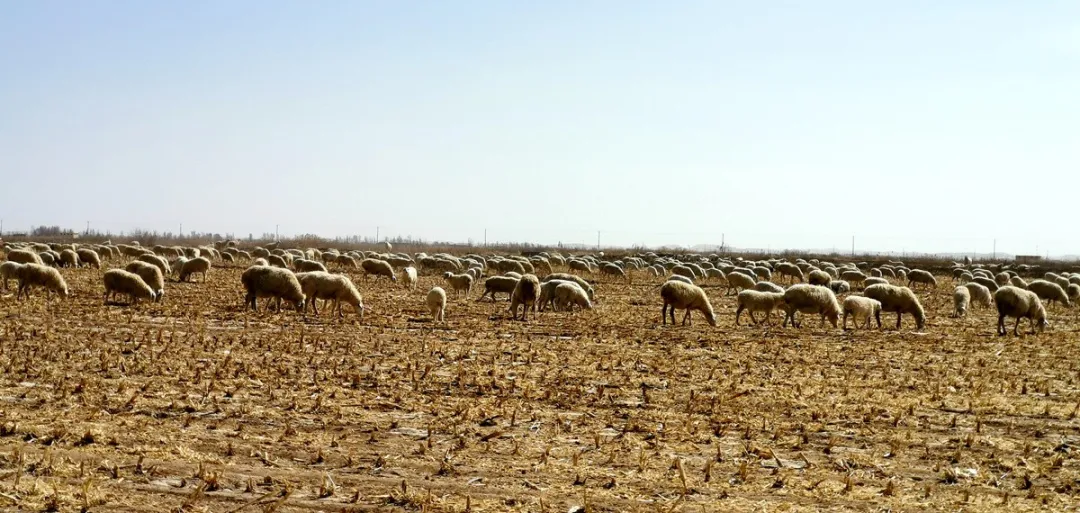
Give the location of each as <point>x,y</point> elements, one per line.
<point>845,322</point>
<point>1001,326</point>
<point>686,318</point>
<point>1016,327</point>
<point>898,317</point>
<point>738,312</point>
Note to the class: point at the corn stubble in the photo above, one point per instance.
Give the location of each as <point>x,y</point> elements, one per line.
<point>195,404</point>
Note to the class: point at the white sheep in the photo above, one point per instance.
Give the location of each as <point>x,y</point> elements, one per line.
<point>35,275</point>
<point>679,277</point>
<point>436,303</point>
<point>758,301</point>
<point>330,287</point>
<point>810,299</point>
<point>852,276</point>
<point>961,301</point>
<point>546,296</point>
<point>874,280</point>
<point>378,268</point>
<point>119,281</point>
<point>459,283</point>
<point>1019,303</point>
<point>861,308</point>
<point>499,284</point>
<point>197,265</point>
<point>569,294</point>
<point>739,281</point>
<point>839,286</point>
<point>303,265</point>
<point>9,271</point>
<point>24,256</point>
<point>89,258</point>
<point>1049,292</point>
<point>677,294</point>
<point>767,286</point>
<point>980,295</point>
<point>272,282</point>
<point>574,278</point>
<point>150,274</point>
<point>921,276</point>
<point>818,277</point>
<point>408,277</point>
<point>525,295</point>
<point>897,299</point>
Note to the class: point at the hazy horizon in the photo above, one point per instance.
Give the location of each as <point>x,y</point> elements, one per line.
<point>780,126</point>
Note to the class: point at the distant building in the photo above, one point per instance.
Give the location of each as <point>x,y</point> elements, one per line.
<point>1028,259</point>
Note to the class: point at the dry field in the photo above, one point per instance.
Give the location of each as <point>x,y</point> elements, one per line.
<point>194,404</point>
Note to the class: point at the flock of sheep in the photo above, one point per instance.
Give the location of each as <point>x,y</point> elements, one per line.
<point>302,277</point>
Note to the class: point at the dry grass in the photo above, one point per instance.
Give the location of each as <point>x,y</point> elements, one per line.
<point>196,405</point>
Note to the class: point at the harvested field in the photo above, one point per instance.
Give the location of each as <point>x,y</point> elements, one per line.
<point>195,404</point>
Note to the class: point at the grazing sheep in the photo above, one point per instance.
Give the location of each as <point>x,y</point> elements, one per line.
<point>677,294</point>
<point>874,280</point>
<point>1073,291</point>
<point>818,277</point>
<point>897,299</point>
<point>278,261</point>
<point>260,261</point>
<point>839,286</point>
<point>1001,278</point>
<point>875,273</point>
<point>1018,282</point>
<point>499,284</point>
<point>682,270</point>
<point>436,303</point>
<point>303,265</point>
<point>338,288</point>
<point>574,278</point>
<point>547,294</point>
<point>758,301</point>
<point>1019,303</point>
<point>568,294</point>
<point>23,256</point>
<point>378,268</point>
<point>408,277</point>
<point>9,271</point>
<point>614,270</point>
<point>157,261</point>
<point>49,258</point>
<point>36,275</point>
<point>150,274</point>
<point>679,277</point>
<point>991,285</point>
<point>525,294</point>
<point>980,295</point>
<point>89,257</point>
<point>119,281</point>
<point>514,275</point>
<point>861,308</point>
<point>811,299</point>
<point>790,270</point>
<point>767,286</point>
<point>1049,292</point>
<point>272,282</point>
<point>921,276</point>
<point>197,265</point>
<point>459,283</point>
<point>961,301</point>
<point>738,281</point>
<point>852,276</point>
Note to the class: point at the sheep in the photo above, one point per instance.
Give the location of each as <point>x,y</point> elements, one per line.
<point>980,295</point>
<point>818,277</point>
<point>260,261</point>
<point>921,276</point>
<point>119,281</point>
<point>861,308</point>
<point>897,299</point>
<point>436,303</point>
<point>568,294</point>
<point>330,287</point>
<point>758,301</point>
<point>839,286</point>
<point>852,276</point>
<point>811,299</point>
<point>525,294</point>
<point>738,281</point>
<point>991,285</point>
<point>514,275</point>
<point>1073,291</point>
<point>499,284</point>
<point>35,275</point>
<point>459,282</point>
<point>157,261</point>
<point>875,273</point>
<point>790,270</point>
<point>1019,303</point>
<point>378,268</point>
<point>1001,278</point>
<point>961,301</point>
<point>302,265</point>
<point>679,277</point>
<point>677,294</point>
<point>89,257</point>
<point>574,278</point>
<point>278,261</point>
<point>546,296</point>
<point>767,286</point>
<point>9,271</point>
<point>1049,292</point>
<point>408,277</point>
<point>23,256</point>
<point>874,280</point>
<point>48,258</point>
<point>272,282</point>
<point>1018,282</point>
<point>150,274</point>
<point>614,270</point>
<point>682,270</point>
<point>198,265</point>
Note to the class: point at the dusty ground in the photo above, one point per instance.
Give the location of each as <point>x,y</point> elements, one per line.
<point>196,405</point>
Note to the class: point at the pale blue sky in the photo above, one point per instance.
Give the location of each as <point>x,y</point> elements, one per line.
<point>780,124</point>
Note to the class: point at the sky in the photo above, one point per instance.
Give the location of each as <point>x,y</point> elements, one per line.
<point>911,126</point>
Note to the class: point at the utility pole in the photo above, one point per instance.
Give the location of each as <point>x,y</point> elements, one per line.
<point>598,240</point>
<point>276,236</point>
<point>995,250</point>
<point>485,237</point>
<point>852,245</point>
<point>376,234</point>
<point>88,228</point>
<point>1,227</point>
<point>181,229</point>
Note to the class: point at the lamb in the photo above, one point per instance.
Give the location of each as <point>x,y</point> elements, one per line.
<point>330,287</point>
<point>35,275</point>
<point>569,294</point>
<point>861,308</point>
<point>499,284</point>
<point>980,295</point>
<point>9,271</point>
<point>198,265</point>
<point>272,282</point>
<point>768,286</point>
<point>408,277</point>
<point>303,265</point>
<point>547,294</point>
<point>89,257</point>
<point>1049,292</point>
<point>23,256</point>
<point>758,301</point>
<point>150,274</point>
<point>874,280</point>
<point>119,281</point>
<point>921,276</point>
<point>436,303</point>
<point>525,294</point>
<point>576,279</point>
<point>961,301</point>
<point>839,286</point>
<point>677,294</point>
<point>818,277</point>
<point>459,282</point>
<point>811,299</point>
<point>1019,303</point>
<point>897,299</point>
<point>378,268</point>
<point>738,281</point>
